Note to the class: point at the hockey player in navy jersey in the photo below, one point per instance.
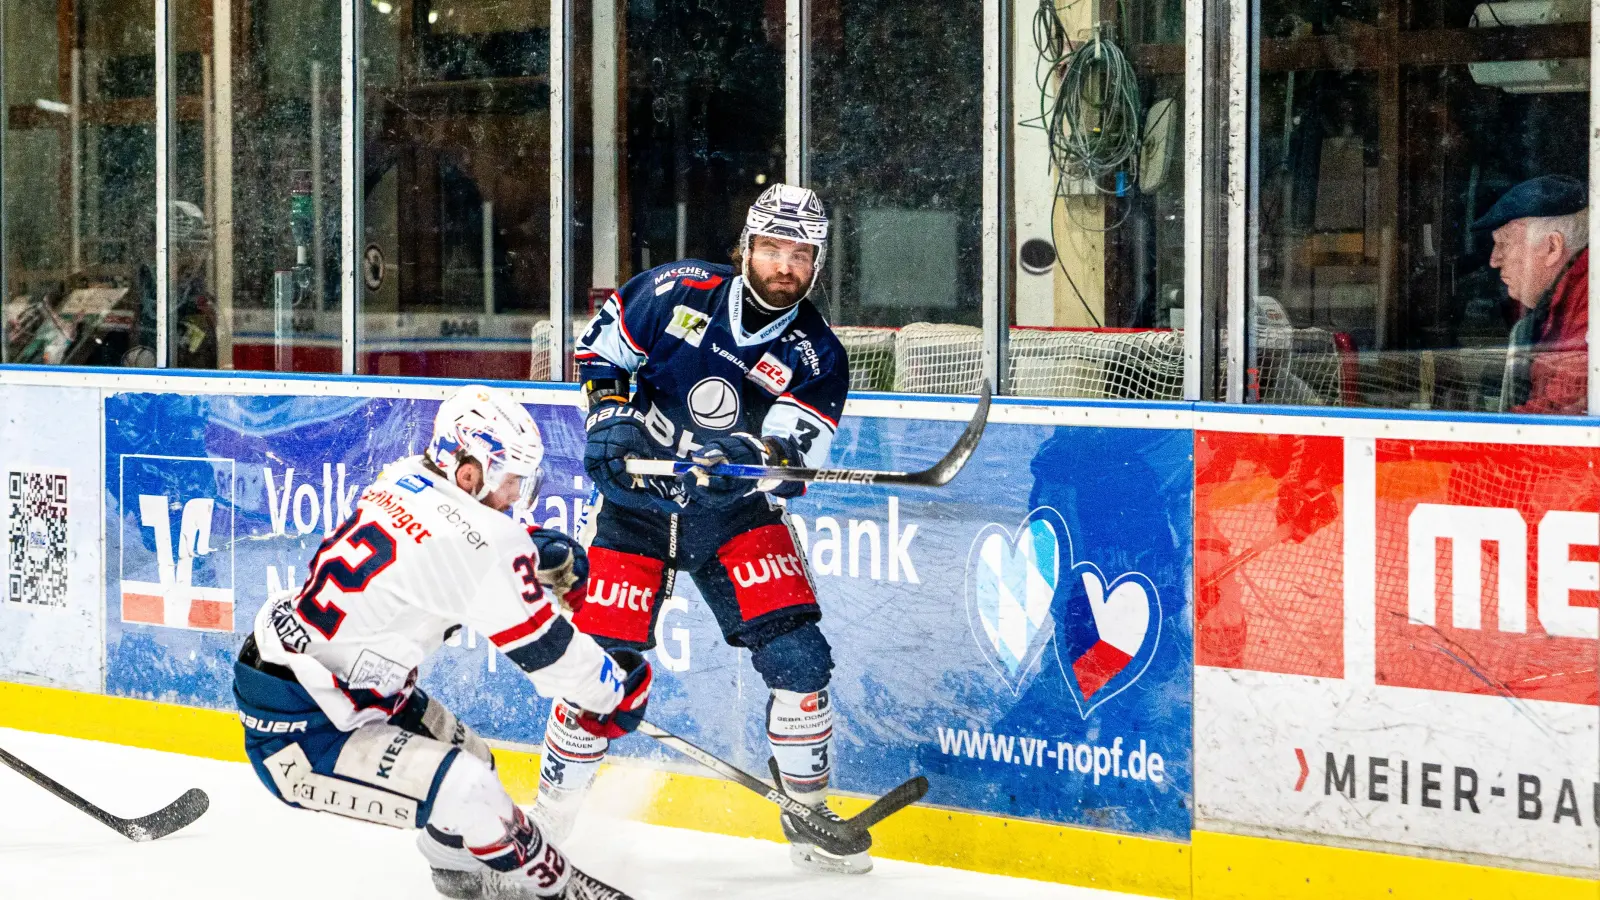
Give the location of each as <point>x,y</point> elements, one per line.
<point>326,682</point>
<point>724,363</point>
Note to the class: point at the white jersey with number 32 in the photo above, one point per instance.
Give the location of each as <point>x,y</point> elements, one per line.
<point>418,558</point>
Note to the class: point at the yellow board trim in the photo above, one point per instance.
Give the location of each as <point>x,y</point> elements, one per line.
<point>1214,867</point>
<point>1232,867</point>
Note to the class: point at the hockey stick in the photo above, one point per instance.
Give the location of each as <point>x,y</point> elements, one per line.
<point>844,831</point>
<point>177,814</point>
<point>936,476</point>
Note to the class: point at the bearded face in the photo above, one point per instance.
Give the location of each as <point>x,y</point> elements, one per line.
<point>781,270</point>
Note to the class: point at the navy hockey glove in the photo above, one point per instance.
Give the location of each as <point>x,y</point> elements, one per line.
<point>630,709</point>
<point>706,488</point>
<point>617,434</point>
<point>563,563</point>
<point>782,451</point>
<point>720,491</point>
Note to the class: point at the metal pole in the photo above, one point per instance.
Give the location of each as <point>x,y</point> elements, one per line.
<point>350,169</point>
<point>561,133</point>
<point>164,158</point>
<point>796,14</point>
<point>996,274</point>
<point>319,273</point>
<point>488,258</point>
<point>209,164</point>
<point>1239,226</point>
<point>605,268</point>
<point>222,173</point>
<point>1194,79</point>
<point>1594,185</point>
<point>75,135</point>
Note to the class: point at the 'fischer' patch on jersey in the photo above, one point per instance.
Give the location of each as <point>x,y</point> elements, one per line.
<point>688,324</point>
<point>772,374</point>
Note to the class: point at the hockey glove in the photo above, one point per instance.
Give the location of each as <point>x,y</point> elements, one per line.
<point>617,434</point>
<point>782,451</point>
<point>630,709</point>
<point>709,490</point>
<point>704,486</point>
<point>563,563</point>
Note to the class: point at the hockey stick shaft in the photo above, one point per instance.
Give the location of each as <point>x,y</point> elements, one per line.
<point>59,789</point>
<point>937,475</point>
<point>158,824</point>
<point>725,769</point>
<point>892,802</point>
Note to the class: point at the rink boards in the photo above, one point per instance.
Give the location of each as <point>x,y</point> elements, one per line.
<point>1141,646</point>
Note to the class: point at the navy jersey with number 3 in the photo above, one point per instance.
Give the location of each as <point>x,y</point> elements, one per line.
<point>677,330</point>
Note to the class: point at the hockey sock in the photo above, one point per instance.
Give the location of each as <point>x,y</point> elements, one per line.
<point>800,729</point>
<point>474,819</point>
<point>571,758</point>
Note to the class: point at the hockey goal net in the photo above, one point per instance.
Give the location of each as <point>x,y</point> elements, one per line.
<point>1091,363</point>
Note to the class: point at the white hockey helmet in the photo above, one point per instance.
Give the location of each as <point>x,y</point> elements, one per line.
<point>483,424</point>
<point>792,214</point>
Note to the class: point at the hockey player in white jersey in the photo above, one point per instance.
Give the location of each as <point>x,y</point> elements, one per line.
<point>326,684</point>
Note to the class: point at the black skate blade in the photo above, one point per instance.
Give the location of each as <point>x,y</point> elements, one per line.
<point>177,815</point>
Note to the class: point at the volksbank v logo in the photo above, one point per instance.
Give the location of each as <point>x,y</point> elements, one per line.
<point>176,559</point>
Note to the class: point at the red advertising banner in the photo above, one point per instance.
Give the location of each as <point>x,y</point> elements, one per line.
<point>1269,559</point>
<point>1487,569</point>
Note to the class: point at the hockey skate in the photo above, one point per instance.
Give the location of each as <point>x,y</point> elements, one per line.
<point>814,850</point>
<point>458,885</point>
<point>581,886</point>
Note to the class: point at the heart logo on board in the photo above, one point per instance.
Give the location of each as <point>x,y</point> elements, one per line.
<point>1107,634</point>
<point>1011,585</point>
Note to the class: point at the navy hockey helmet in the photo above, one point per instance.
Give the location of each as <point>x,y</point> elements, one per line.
<point>790,213</point>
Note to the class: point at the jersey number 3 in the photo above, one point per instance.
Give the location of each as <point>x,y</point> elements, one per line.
<point>326,617</point>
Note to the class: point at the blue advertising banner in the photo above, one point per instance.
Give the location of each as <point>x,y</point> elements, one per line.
<point>1021,636</point>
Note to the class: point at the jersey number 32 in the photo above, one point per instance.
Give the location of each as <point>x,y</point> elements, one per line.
<point>326,616</point>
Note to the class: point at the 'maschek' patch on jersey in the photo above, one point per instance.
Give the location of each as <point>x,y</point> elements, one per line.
<point>692,272</point>
<point>772,374</point>
<point>688,324</point>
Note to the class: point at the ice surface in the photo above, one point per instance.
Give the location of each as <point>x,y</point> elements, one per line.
<point>251,846</point>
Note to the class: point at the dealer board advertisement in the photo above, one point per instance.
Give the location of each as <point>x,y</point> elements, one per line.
<point>1396,642</point>
<point>1022,636</point>
<point>50,610</point>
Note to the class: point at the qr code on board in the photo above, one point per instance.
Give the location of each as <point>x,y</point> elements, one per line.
<point>36,538</point>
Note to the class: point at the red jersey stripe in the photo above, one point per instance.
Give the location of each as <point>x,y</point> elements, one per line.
<point>518,632</point>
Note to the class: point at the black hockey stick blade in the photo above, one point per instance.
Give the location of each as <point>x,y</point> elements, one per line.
<point>904,795</point>
<point>937,475</point>
<point>900,797</point>
<point>174,816</point>
<point>844,832</point>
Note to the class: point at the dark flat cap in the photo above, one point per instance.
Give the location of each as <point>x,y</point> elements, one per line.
<point>1547,195</point>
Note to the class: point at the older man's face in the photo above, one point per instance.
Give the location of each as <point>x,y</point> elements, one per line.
<point>1527,269</point>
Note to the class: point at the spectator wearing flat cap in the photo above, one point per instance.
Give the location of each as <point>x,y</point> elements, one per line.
<point>1541,248</point>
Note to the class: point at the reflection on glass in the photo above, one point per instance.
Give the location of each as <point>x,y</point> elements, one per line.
<point>257,144</point>
<point>80,184</point>
<point>1379,151</point>
<point>1097,175</point>
<point>679,126</point>
<point>455,188</point>
<point>896,117</point>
